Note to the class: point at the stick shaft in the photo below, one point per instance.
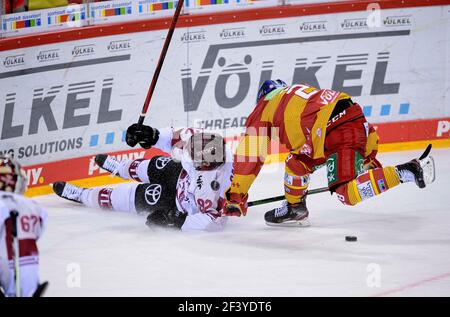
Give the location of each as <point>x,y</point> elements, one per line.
<point>278,198</point>
<point>14,215</point>
<point>160,62</point>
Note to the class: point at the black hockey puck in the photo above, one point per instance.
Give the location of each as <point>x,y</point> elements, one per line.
<point>351,238</point>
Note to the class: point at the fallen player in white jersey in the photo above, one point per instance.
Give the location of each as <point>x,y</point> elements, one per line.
<point>185,190</point>
<point>30,224</point>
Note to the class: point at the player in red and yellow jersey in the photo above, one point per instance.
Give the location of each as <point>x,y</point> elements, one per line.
<point>317,127</point>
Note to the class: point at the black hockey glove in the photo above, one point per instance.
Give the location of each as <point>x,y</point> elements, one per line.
<point>163,218</point>
<point>145,135</point>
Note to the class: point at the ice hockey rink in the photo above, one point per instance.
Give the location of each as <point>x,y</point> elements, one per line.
<point>403,247</point>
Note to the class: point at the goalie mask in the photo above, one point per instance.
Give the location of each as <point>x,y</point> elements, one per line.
<point>12,175</point>
<point>206,151</point>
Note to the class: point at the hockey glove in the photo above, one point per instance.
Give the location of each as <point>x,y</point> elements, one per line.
<point>163,218</point>
<point>235,205</point>
<point>145,135</point>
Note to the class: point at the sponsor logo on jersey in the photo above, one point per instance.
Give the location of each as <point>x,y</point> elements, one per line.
<point>328,96</point>
<point>359,163</point>
<point>332,169</point>
<point>161,162</point>
<point>381,185</point>
<point>153,194</point>
<point>366,190</point>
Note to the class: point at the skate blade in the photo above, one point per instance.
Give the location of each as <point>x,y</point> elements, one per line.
<point>429,171</point>
<point>290,223</point>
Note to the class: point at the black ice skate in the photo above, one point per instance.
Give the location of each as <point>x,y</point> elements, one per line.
<point>421,170</point>
<point>68,191</point>
<point>108,163</point>
<point>288,215</point>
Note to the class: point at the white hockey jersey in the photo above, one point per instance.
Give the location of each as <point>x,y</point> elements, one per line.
<point>200,194</point>
<point>31,223</point>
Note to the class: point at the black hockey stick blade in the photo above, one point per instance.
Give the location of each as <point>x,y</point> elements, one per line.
<point>40,291</point>
<point>426,152</point>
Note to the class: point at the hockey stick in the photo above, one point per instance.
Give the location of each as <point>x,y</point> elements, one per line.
<point>160,63</point>
<point>278,198</point>
<point>39,292</point>
<point>319,190</point>
<point>13,215</point>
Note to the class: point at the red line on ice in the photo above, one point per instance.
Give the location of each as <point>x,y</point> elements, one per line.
<point>413,285</point>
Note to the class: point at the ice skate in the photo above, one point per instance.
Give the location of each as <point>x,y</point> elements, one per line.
<point>68,191</point>
<point>421,170</point>
<point>288,215</point>
<point>108,163</point>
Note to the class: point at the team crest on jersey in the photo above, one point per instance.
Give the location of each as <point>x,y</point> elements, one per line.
<point>161,162</point>
<point>153,194</point>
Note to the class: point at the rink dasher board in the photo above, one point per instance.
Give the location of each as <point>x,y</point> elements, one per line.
<point>65,101</point>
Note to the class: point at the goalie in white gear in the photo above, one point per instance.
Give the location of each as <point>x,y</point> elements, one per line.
<point>185,190</point>
<point>31,223</point>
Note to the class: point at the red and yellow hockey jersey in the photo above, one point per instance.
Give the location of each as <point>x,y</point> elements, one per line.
<point>297,117</point>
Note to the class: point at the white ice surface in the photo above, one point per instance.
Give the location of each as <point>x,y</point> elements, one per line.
<point>405,233</point>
